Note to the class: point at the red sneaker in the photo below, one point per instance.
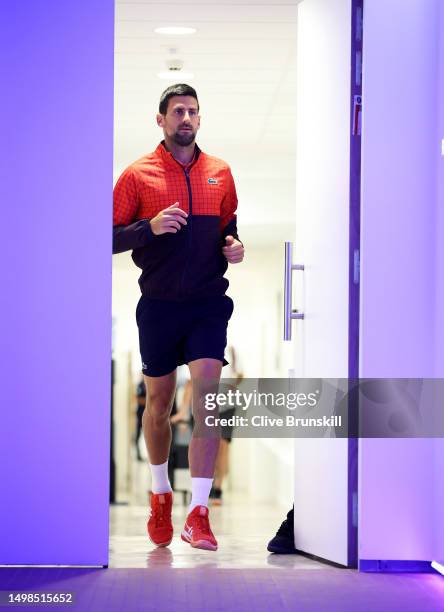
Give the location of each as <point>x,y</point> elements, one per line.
<point>197,530</point>
<point>160,527</point>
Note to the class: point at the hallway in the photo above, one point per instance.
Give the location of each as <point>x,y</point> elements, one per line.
<point>241,575</point>
<point>241,528</point>
<point>329,116</point>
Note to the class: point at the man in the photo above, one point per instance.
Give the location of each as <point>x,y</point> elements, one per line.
<point>175,208</point>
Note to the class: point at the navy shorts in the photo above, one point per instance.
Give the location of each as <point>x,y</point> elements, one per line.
<point>174,333</point>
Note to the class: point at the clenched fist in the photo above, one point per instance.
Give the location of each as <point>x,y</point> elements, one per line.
<point>233,250</point>
<point>169,220</point>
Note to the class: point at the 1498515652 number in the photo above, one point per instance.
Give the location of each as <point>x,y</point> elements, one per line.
<point>36,598</point>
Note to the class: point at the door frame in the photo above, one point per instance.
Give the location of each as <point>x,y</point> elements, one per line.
<point>357,33</point>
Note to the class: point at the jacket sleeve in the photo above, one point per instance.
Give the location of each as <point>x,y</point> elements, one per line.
<point>228,211</point>
<point>128,233</point>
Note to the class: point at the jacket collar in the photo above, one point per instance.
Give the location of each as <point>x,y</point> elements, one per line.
<point>167,157</point>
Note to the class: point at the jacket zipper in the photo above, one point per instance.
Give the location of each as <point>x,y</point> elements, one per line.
<point>190,227</point>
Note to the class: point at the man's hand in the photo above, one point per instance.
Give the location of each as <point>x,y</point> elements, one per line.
<point>233,250</point>
<point>169,220</point>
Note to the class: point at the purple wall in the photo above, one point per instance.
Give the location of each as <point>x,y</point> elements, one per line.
<point>440,206</point>
<point>439,310</point>
<point>399,195</point>
<point>399,321</point>
<point>56,194</point>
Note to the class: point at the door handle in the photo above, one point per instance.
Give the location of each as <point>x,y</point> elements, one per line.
<point>289,312</point>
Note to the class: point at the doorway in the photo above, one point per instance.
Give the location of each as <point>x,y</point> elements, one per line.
<point>243,61</point>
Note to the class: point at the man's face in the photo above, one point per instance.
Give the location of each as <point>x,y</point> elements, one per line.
<point>181,121</point>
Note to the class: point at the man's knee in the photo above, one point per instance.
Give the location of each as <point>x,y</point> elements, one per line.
<point>158,406</point>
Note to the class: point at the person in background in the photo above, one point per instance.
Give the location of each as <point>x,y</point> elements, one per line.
<point>141,400</point>
<point>183,413</point>
<point>181,423</point>
<point>223,456</point>
<point>283,541</point>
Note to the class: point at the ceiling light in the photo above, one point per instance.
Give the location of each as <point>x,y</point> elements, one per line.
<point>175,30</point>
<point>175,75</point>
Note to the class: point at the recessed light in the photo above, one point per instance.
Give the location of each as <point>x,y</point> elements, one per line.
<point>175,75</point>
<point>175,30</point>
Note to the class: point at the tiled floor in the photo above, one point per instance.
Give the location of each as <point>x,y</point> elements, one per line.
<point>231,590</point>
<point>241,528</point>
<point>240,576</point>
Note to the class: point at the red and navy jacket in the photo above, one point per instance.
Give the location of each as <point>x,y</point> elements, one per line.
<point>190,263</point>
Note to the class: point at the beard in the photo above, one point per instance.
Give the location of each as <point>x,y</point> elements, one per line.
<point>184,139</point>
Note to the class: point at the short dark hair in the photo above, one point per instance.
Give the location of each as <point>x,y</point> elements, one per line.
<point>180,89</point>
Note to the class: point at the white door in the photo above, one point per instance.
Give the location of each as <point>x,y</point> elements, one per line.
<point>321,244</point>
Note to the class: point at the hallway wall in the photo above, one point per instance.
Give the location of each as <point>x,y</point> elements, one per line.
<point>399,266</point>
<point>439,303</point>
<point>55,321</point>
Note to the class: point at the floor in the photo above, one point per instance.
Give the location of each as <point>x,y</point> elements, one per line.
<point>241,528</point>
<point>234,590</point>
<point>240,576</point>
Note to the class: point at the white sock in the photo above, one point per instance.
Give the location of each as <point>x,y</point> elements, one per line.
<point>200,492</point>
<point>160,482</point>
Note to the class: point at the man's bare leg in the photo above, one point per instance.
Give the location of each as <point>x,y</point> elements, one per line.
<point>160,391</point>
<point>202,453</point>
<point>205,374</point>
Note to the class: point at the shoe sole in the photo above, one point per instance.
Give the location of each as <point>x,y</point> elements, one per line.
<point>202,544</point>
<point>160,544</point>
<point>281,551</point>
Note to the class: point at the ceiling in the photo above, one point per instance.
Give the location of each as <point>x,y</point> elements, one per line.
<point>243,57</point>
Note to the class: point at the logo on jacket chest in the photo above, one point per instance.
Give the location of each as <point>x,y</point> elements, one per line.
<point>212,181</point>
